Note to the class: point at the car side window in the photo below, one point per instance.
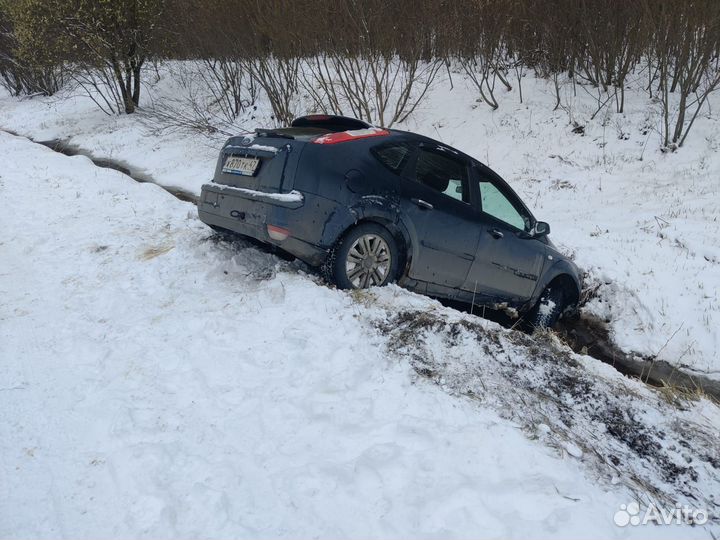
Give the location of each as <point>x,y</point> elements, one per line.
<point>495,203</point>
<point>443,173</point>
<point>393,156</point>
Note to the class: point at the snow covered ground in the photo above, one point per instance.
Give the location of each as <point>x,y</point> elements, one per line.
<point>159,382</point>
<point>643,224</point>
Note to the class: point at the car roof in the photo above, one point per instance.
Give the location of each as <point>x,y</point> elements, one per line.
<point>307,128</point>
<point>423,138</point>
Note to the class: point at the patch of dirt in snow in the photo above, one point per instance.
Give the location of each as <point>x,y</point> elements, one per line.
<point>625,432</point>
<point>590,335</point>
<point>155,251</point>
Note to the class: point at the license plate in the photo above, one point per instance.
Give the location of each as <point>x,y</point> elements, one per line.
<point>240,165</point>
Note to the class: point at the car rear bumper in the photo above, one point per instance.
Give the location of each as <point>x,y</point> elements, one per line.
<point>250,213</point>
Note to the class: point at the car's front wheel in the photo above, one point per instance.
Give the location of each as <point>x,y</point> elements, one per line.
<point>367,256</point>
<point>548,309</point>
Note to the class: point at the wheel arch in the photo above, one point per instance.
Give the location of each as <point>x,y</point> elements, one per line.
<point>396,230</point>
<point>568,284</point>
<point>381,210</point>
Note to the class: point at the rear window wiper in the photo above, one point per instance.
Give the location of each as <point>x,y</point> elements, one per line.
<point>271,133</point>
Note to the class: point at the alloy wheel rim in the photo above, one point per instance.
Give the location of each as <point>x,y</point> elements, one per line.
<point>368,261</point>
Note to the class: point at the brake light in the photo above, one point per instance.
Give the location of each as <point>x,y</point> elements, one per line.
<point>351,135</point>
<point>277,233</point>
<point>318,117</point>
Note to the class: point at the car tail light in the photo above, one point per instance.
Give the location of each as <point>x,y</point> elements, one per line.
<point>277,233</point>
<point>351,135</point>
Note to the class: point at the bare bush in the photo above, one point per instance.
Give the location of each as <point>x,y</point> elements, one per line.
<point>100,85</point>
<point>360,67</point>
<point>279,77</point>
<point>483,72</point>
<point>231,86</point>
<point>204,33</point>
<point>376,59</point>
<point>373,59</point>
<point>210,97</point>
<point>684,54</point>
<point>22,80</point>
<point>381,90</point>
<point>614,41</point>
<point>17,75</point>
<point>484,59</point>
<point>107,43</point>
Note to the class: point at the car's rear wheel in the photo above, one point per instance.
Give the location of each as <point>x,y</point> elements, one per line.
<point>548,309</point>
<point>367,256</point>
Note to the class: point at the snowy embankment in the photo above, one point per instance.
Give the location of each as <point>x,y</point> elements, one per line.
<point>161,382</point>
<point>643,224</point>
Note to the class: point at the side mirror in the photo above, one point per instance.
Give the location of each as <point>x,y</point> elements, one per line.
<point>541,229</point>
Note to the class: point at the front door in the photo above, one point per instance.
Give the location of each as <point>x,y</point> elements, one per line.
<point>508,261</point>
<point>439,216</point>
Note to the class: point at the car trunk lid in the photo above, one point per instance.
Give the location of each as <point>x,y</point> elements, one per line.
<point>260,163</point>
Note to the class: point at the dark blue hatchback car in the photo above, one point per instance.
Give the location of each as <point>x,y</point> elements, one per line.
<point>370,206</point>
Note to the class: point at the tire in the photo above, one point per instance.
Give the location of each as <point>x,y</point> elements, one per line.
<point>548,309</point>
<point>367,256</point>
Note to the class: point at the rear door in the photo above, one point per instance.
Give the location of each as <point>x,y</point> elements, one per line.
<point>443,225</point>
<point>508,262</point>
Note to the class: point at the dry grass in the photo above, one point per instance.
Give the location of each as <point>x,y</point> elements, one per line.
<point>155,251</point>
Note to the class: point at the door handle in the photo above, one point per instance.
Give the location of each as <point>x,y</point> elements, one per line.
<point>422,204</point>
<point>496,233</point>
